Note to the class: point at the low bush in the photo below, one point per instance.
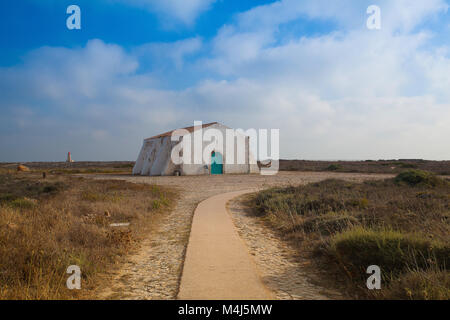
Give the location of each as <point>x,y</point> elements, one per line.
<point>418,177</point>
<point>7,197</point>
<point>23,203</point>
<point>52,187</point>
<point>393,251</point>
<point>330,223</point>
<point>333,167</point>
<point>279,200</point>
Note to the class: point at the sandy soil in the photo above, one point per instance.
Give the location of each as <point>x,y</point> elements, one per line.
<point>155,271</point>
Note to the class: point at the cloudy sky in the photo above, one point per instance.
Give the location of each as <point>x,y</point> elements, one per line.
<point>312,68</point>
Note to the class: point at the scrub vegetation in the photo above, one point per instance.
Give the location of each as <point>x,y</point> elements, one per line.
<point>400,224</point>
<point>82,167</point>
<point>369,166</point>
<point>49,224</point>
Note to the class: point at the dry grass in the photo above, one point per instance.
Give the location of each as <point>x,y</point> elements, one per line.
<point>380,166</point>
<point>48,225</point>
<point>64,168</point>
<point>400,224</point>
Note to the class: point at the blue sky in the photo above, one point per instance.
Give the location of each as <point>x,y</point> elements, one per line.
<point>310,68</point>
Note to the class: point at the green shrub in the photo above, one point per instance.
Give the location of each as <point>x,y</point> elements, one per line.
<point>393,251</point>
<point>272,200</point>
<point>418,177</point>
<point>50,189</point>
<point>288,200</point>
<point>333,167</point>
<point>23,203</point>
<point>156,204</point>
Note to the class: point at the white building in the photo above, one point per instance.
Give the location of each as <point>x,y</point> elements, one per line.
<point>212,149</point>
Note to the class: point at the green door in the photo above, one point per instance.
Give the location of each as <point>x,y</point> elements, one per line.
<point>216,163</point>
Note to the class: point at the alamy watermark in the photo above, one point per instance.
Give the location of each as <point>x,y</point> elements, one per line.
<point>74,281</point>
<point>374,20</point>
<point>374,281</point>
<point>238,147</point>
<point>74,20</point>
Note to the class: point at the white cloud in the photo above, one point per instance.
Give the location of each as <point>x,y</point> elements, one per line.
<point>182,11</point>
<point>172,54</point>
<point>399,15</point>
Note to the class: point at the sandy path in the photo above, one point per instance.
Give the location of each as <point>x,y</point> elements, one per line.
<point>218,265</point>
<point>155,271</point>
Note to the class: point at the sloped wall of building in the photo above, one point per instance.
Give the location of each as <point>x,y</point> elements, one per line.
<point>161,157</point>
<point>139,164</point>
<point>154,157</point>
<point>150,154</point>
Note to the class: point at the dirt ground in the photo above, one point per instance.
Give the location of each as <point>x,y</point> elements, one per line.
<point>155,271</point>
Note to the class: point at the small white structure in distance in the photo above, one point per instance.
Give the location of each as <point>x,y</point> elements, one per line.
<point>155,156</point>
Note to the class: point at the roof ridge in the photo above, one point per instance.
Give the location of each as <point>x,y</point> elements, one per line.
<point>190,129</point>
